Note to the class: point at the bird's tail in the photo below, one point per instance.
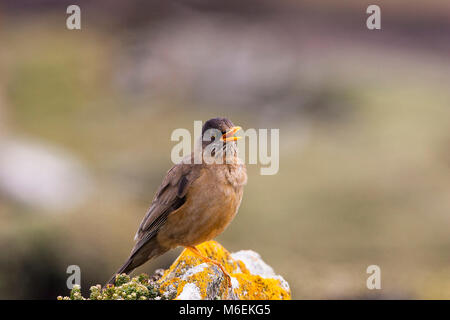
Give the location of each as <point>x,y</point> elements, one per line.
<point>139,256</point>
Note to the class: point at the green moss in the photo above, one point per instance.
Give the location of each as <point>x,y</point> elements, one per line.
<point>122,279</point>
<point>75,294</point>
<point>126,288</point>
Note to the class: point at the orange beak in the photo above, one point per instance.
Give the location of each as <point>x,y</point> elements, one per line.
<point>229,136</point>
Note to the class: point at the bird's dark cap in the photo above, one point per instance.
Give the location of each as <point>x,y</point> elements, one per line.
<point>221,124</point>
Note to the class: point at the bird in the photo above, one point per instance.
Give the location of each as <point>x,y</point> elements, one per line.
<point>196,200</point>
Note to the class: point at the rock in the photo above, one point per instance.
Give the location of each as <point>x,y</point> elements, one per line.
<point>190,278</point>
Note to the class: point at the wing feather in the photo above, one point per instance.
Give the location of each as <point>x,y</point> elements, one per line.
<point>170,196</point>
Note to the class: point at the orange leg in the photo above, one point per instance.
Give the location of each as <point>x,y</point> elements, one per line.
<point>204,258</point>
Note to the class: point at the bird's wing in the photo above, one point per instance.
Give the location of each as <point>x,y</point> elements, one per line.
<point>170,196</point>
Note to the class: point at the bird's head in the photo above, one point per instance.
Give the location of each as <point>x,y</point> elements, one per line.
<point>218,136</point>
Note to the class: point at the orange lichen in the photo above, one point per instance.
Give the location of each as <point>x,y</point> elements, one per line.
<point>188,269</point>
<point>254,287</point>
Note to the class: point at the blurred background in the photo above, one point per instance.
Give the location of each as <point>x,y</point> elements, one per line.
<point>364,118</point>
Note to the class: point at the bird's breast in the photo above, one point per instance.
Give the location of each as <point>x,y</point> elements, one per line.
<point>211,203</point>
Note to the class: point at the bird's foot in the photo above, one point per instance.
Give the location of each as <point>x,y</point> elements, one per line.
<point>218,264</point>
<point>225,273</point>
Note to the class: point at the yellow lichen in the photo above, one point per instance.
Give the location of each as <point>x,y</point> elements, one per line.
<point>250,286</point>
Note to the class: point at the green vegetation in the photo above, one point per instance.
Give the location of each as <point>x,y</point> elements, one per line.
<point>137,288</point>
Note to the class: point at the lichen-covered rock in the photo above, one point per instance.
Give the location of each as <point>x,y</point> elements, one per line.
<point>190,278</point>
